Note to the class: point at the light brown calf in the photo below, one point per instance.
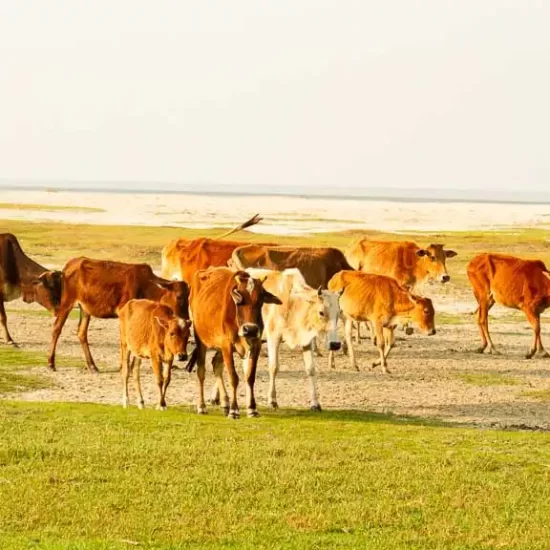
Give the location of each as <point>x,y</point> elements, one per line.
<point>149,330</point>
<point>384,303</point>
<point>511,282</point>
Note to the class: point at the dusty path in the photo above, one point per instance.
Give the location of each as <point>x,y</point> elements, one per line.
<point>436,377</point>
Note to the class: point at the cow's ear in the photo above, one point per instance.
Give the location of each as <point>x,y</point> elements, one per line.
<point>271,298</point>
<point>340,292</point>
<point>450,253</point>
<point>320,291</point>
<point>237,296</point>
<point>164,284</point>
<point>161,322</point>
<point>263,279</point>
<point>420,253</point>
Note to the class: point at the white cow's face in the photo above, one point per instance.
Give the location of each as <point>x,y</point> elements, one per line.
<point>328,311</point>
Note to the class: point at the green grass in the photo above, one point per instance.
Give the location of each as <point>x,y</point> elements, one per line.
<point>539,395</point>
<point>486,379</point>
<point>15,360</point>
<point>48,207</point>
<point>468,318</point>
<point>286,480</point>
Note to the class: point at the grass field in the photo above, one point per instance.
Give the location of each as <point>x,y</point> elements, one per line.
<point>83,476</point>
<point>47,207</point>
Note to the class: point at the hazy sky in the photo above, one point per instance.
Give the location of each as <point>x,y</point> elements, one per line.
<point>393,93</point>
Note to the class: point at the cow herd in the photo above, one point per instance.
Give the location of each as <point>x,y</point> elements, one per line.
<point>233,296</point>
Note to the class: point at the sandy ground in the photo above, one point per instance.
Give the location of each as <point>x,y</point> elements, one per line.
<point>426,380</point>
<point>282,215</point>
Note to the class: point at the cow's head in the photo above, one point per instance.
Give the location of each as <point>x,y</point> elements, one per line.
<point>423,314</point>
<point>176,297</point>
<point>433,259</point>
<point>249,296</point>
<point>176,335</point>
<point>46,290</point>
<point>324,315</point>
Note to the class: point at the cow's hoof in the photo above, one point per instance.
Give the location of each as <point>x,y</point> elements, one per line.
<point>225,411</point>
<point>409,331</point>
<point>12,344</point>
<point>52,368</point>
<point>529,355</point>
<point>161,407</point>
<point>252,413</point>
<point>234,414</point>
<point>141,405</point>
<point>316,408</point>
<point>201,410</point>
<point>480,350</point>
<point>274,405</point>
<point>543,354</point>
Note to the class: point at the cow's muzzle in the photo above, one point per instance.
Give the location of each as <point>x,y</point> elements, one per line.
<point>445,278</point>
<point>334,346</point>
<point>249,330</point>
<point>182,356</point>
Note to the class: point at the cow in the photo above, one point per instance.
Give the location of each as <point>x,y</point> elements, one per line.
<point>102,287</point>
<point>316,264</point>
<point>226,309</point>
<point>21,277</point>
<point>405,261</point>
<point>150,330</point>
<point>304,314</point>
<point>511,282</point>
<point>181,258</point>
<point>384,303</point>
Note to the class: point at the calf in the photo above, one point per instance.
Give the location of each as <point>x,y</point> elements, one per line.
<point>150,330</point>
<point>384,303</point>
<point>511,282</point>
<point>226,307</point>
<point>305,314</point>
<point>101,288</point>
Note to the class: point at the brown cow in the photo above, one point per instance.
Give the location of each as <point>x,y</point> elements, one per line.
<point>21,277</point>
<point>511,282</point>
<point>150,330</point>
<point>181,258</point>
<point>317,265</point>
<point>226,307</point>
<point>405,261</point>
<point>384,303</point>
<point>102,287</point>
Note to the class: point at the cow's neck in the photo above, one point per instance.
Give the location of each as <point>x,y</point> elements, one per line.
<point>29,269</point>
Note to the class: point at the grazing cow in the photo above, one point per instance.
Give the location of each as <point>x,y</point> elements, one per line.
<point>149,330</point>
<point>226,307</point>
<point>181,258</point>
<point>304,314</point>
<point>384,303</point>
<point>511,282</point>
<point>102,287</point>
<point>409,264</point>
<point>21,277</point>
<point>317,265</point>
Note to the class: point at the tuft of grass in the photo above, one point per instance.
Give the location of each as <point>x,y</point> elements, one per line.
<point>539,395</point>
<point>486,379</point>
<point>47,207</point>
<point>288,479</point>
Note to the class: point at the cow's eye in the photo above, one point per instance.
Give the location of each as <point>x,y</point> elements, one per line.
<point>322,313</point>
<point>172,334</point>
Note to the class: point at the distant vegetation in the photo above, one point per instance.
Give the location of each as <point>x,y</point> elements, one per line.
<point>47,207</point>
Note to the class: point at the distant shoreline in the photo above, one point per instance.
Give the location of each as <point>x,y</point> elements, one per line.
<point>271,193</point>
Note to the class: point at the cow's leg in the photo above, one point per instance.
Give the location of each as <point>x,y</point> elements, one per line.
<point>381,344</point>
<point>62,314</point>
<point>201,371</point>
<point>250,365</point>
<point>229,363</point>
<point>83,324</point>
<point>167,376</point>
<point>309,363</point>
<point>273,344</point>
<point>331,360</point>
<point>156,365</point>
<point>4,322</point>
<point>533,317</point>
<point>485,303</point>
<point>136,365</point>
<point>124,371</point>
<point>389,342</point>
<point>358,332</point>
<point>217,365</point>
<point>347,334</point>
<point>316,348</point>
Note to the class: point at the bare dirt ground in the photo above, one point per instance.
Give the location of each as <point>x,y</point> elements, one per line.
<point>432,377</point>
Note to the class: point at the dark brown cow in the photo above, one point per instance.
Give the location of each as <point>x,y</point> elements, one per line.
<point>20,277</point>
<point>226,307</point>
<point>150,330</point>
<point>511,282</point>
<point>102,287</point>
<point>317,265</point>
<point>384,303</point>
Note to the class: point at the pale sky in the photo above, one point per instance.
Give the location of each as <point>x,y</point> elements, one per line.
<point>444,94</point>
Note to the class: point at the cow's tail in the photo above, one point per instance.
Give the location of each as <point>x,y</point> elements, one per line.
<point>192,360</point>
<point>248,223</point>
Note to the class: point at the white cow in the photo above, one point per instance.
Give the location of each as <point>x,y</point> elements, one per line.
<point>304,314</point>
